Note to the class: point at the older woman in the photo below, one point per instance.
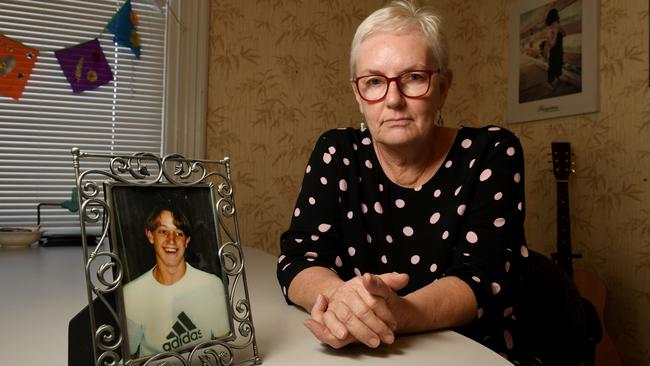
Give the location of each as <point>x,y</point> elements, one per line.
<point>406,226</point>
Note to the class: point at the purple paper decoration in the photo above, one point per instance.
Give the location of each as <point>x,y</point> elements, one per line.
<point>85,66</point>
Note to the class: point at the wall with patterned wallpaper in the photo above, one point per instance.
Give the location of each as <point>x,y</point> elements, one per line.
<point>279,77</point>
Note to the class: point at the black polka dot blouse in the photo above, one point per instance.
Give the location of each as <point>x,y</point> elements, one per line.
<point>466,221</point>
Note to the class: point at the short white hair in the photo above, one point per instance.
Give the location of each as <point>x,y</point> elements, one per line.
<point>401,15</point>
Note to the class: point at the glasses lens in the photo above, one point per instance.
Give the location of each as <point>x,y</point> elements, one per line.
<point>372,87</point>
<point>414,83</point>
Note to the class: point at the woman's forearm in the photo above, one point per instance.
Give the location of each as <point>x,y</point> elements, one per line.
<point>445,303</point>
<point>309,283</point>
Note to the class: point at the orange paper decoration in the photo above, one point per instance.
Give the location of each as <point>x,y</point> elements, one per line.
<point>16,64</point>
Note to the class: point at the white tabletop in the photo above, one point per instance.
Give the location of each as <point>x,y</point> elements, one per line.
<point>42,288</point>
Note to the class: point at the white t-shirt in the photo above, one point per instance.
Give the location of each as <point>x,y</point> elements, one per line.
<point>170,317</point>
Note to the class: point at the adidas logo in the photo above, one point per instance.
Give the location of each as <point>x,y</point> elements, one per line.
<point>183,332</point>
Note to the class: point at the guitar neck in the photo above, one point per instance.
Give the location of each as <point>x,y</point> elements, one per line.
<point>564,252</point>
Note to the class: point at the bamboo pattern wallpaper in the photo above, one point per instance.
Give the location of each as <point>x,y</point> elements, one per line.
<point>279,77</point>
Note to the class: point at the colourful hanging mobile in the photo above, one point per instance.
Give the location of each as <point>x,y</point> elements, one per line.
<point>123,25</point>
<point>85,66</point>
<point>16,64</point>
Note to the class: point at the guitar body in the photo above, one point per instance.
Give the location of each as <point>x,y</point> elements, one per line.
<point>592,288</point>
<point>589,285</point>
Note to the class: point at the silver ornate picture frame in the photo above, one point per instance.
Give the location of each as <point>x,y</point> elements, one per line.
<point>111,195</point>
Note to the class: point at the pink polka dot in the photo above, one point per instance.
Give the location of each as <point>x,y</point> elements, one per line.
<point>471,163</point>
<point>298,240</point>
<point>497,144</point>
<point>471,237</point>
<point>457,190</point>
<point>498,196</point>
<point>357,272</point>
<point>479,313</point>
<point>485,175</point>
<point>415,259</point>
<point>296,212</point>
<point>507,312</point>
<point>434,218</point>
<point>308,169</point>
<point>437,193</point>
<point>461,210</point>
<point>524,251</point>
<point>323,180</point>
<point>338,262</point>
<point>381,187</point>
<point>499,222</point>
<point>517,177</point>
<point>350,215</point>
<point>448,164</point>
<point>507,337</point>
<point>352,251</point>
<point>445,235</point>
<point>284,290</point>
<point>324,227</point>
<point>366,141</point>
<point>285,266</point>
<point>343,185</point>
<point>311,254</point>
<point>399,203</point>
<point>494,129</point>
<point>408,231</point>
<point>510,151</point>
<point>466,143</point>
<point>507,266</point>
<point>327,158</point>
<point>364,208</point>
<point>332,150</point>
<point>378,208</point>
<point>368,238</point>
<point>368,164</point>
<point>281,258</point>
<point>496,288</point>
<point>465,254</point>
<point>476,279</point>
<point>520,206</point>
<point>346,161</point>
<point>354,147</point>
<point>417,189</point>
<point>384,260</point>
<point>389,239</point>
<point>315,237</point>
<point>433,268</point>
<point>312,201</point>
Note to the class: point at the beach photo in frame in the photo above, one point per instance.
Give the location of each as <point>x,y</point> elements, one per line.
<point>173,295</point>
<point>552,58</point>
<point>165,281</point>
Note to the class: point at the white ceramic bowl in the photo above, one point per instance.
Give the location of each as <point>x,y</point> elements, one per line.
<point>19,237</point>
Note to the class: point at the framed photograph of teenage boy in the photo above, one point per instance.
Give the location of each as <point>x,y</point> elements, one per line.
<point>174,292</point>
<point>553,59</point>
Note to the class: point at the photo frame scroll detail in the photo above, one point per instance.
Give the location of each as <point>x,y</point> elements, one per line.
<point>551,76</point>
<point>123,194</point>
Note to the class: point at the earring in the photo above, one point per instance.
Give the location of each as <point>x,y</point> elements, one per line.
<point>362,125</point>
<point>440,121</point>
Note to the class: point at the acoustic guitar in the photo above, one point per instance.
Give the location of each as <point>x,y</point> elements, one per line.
<point>589,285</point>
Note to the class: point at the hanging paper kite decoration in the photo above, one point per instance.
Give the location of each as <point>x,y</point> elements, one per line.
<point>123,26</point>
<point>85,66</point>
<point>16,64</point>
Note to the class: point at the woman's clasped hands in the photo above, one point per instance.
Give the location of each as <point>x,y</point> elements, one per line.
<point>363,309</point>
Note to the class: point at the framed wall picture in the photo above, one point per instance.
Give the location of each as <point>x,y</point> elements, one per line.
<point>553,59</point>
